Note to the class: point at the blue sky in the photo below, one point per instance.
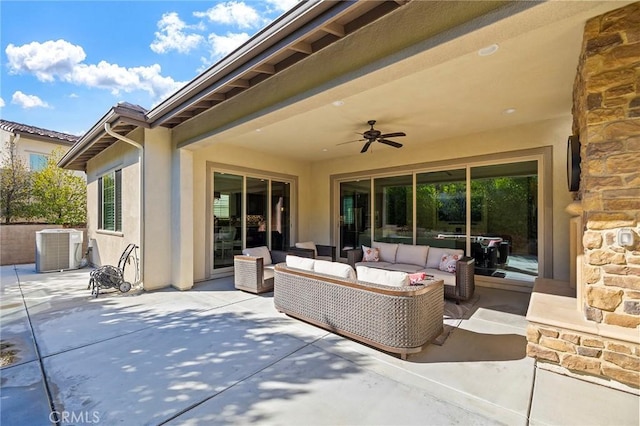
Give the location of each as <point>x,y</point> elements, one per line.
<point>65,63</point>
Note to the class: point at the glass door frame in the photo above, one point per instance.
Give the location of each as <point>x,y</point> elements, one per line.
<point>542,155</point>
<point>244,172</point>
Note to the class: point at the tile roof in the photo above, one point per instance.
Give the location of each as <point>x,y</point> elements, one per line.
<point>11,126</point>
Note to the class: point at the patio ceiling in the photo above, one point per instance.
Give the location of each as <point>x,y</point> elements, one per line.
<point>437,89</point>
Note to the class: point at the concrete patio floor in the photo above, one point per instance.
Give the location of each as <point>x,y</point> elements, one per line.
<point>215,355</point>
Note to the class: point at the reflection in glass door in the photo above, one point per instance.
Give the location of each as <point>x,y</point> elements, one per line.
<point>227,214</point>
<point>280,222</point>
<point>257,212</point>
<point>441,209</point>
<point>505,238</point>
<point>355,215</point>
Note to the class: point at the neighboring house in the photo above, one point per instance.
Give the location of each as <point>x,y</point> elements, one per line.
<point>260,149</point>
<point>34,144</point>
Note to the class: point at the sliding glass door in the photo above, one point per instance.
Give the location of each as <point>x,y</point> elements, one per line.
<point>488,211</point>
<point>355,215</point>
<point>248,212</point>
<point>227,218</point>
<point>441,209</point>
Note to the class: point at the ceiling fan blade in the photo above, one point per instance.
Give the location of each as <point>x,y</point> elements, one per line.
<point>366,147</point>
<point>393,135</point>
<point>356,140</point>
<point>391,143</point>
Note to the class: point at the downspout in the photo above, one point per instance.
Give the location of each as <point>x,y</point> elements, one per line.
<point>107,128</point>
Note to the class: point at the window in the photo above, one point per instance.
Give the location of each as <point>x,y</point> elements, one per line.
<point>37,162</point>
<point>110,201</point>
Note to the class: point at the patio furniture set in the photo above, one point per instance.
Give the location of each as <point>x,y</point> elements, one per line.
<point>389,296</point>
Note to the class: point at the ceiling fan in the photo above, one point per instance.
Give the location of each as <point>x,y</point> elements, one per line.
<point>373,135</point>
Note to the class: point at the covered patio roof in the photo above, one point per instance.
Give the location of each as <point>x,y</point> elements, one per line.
<point>312,79</point>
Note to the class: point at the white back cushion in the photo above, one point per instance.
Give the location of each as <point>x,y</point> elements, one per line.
<point>436,253</point>
<point>414,255</point>
<point>308,245</point>
<point>300,262</point>
<point>336,269</point>
<point>261,251</point>
<point>382,276</point>
<point>387,251</point>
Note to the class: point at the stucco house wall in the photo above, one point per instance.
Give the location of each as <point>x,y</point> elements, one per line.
<point>106,246</point>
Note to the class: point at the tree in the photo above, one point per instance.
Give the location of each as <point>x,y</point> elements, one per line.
<point>15,185</point>
<point>59,195</point>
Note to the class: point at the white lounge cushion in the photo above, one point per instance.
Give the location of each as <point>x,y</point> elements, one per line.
<point>336,269</point>
<point>449,279</point>
<point>261,251</point>
<point>413,255</point>
<point>382,276</point>
<point>436,253</point>
<point>298,262</point>
<point>386,251</point>
<point>308,245</point>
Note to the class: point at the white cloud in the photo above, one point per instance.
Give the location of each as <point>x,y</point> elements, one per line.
<point>74,95</point>
<point>28,101</point>
<point>222,45</point>
<point>1,103</point>
<point>172,35</point>
<point>120,79</point>
<point>233,13</point>
<point>66,65</point>
<point>282,5</point>
<point>45,60</point>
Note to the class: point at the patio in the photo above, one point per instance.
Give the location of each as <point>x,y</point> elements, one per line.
<point>215,355</point>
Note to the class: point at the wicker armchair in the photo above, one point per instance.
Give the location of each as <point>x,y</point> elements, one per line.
<point>312,250</point>
<point>253,270</point>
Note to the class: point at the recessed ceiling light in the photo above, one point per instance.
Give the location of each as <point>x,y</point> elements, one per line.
<point>489,50</point>
<point>509,111</point>
<point>337,103</point>
<point>324,150</point>
<point>258,130</point>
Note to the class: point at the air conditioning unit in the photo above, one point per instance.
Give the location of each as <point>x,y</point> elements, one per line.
<point>58,249</point>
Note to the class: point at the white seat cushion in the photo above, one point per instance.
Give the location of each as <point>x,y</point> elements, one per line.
<point>261,251</point>
<point>382,276</point>
<point>298,262</point>
<point>336,269</point>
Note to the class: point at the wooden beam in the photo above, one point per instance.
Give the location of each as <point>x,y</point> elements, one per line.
<point>302,47</point>
<point>240,83</point>
<point>265,69</point>
<point>334,28</point>
<point>216,97</point>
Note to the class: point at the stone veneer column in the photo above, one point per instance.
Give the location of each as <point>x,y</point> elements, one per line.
<point>607,117</point>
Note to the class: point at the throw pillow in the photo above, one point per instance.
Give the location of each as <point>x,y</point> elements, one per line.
<point>448,262</point>
<point>416,278</point>
<point>370,254</point>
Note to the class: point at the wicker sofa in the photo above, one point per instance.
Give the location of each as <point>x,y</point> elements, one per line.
<point>458,284</point>
<point>398,319</point>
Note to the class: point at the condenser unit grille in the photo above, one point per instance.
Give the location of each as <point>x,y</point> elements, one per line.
<point>53,252</point>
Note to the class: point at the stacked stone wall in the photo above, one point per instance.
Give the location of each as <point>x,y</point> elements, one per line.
<point>585,353</point>
<point>607,117</point>
<point>606,112</point>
